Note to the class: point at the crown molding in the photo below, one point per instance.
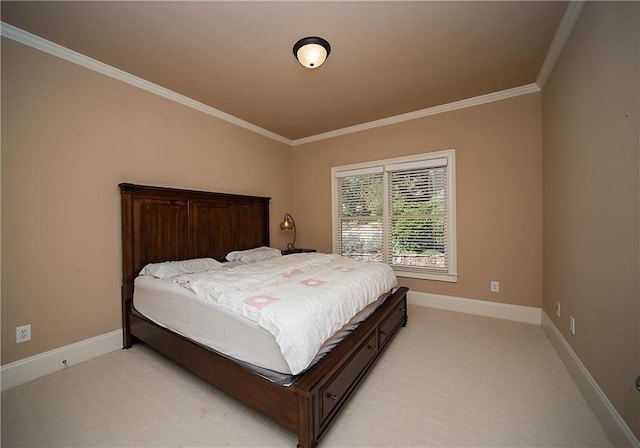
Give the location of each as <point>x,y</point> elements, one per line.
<point>24,37</point>
<point>562,34</point>
<point>470,102</point>
<point>57,50</point>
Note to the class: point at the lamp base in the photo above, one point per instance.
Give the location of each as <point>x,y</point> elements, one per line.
<point>296,251</point>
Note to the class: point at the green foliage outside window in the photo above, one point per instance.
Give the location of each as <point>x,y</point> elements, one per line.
<point>418,228</point>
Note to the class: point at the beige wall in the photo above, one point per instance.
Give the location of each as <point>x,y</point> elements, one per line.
<point>591,197</point>
<point>69,136</point>
<point>499,192</point>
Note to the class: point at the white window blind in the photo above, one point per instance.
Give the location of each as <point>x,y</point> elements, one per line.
<point>399,211</point>
<point>418,219</point>
<point>360,211</point>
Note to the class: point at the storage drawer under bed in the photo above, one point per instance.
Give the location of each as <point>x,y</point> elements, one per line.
<point>336,388</point>
<point>390,325</point>
<point>333,393</point>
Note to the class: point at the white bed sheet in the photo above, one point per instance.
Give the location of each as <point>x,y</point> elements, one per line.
<point>180,310</point>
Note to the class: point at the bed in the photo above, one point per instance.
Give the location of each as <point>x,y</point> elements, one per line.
<point>161,224</point>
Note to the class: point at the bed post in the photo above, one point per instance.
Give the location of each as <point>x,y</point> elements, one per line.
<point>306,424</point>
<point>127,265</point>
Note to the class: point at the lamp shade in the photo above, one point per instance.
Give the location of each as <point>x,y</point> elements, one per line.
<point>311,52</point>
<point>289,224</point>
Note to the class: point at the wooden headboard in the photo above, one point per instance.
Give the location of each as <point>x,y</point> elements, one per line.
<point>163,224</point>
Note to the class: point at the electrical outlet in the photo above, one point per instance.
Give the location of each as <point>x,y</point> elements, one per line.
<point>23,333</point>
<point>495,286</point>
<point>572,325</point>
<point>558,309</point>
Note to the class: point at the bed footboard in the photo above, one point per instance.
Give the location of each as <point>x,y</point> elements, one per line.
<point>324,390</point>
<point>310,405</point>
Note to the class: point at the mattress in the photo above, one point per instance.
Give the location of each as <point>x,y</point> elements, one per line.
<point>180,310</point>
<point>301,299</point>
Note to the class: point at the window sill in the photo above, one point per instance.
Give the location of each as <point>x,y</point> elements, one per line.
<point>451,278</point>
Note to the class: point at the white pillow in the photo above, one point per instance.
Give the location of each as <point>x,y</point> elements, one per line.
<point>255,254</point>
<point>169,269</point>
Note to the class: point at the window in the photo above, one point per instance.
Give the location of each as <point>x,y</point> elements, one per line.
<point>398,211</point>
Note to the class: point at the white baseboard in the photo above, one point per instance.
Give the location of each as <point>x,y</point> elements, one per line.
<point>32,368</point>
<point>614,425</point>
<point>618,431</point>
<point>29,369</point>
<point>518,313</point>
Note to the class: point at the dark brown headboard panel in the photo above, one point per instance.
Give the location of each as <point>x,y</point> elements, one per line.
<point>163,224</point>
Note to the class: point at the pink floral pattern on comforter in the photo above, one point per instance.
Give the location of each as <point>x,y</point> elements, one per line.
<point>301,299</point>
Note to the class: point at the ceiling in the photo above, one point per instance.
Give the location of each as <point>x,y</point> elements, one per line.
<point>387,58</point>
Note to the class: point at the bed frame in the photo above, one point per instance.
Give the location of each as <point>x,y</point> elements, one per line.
<point>160,224</point>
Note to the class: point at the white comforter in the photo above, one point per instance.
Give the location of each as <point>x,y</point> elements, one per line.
<point>301,299</point>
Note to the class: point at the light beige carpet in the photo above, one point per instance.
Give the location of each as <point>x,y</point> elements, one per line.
<point>447,380</point>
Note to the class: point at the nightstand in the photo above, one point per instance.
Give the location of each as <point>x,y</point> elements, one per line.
<point>296,251</point>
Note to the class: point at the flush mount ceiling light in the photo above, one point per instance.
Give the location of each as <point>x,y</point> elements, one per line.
<point>311,51</point>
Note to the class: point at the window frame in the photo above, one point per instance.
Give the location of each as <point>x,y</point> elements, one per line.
<point>385,165</point>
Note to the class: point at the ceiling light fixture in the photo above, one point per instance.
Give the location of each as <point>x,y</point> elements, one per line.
<point>311,51</point>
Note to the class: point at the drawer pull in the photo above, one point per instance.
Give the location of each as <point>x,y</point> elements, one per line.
<point>383,333</point>
<point>333,397</point>
<point>371,347</point>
